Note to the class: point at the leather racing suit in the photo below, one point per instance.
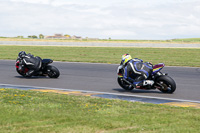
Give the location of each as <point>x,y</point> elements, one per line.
<point>32,63</point>
<point>137,72</point>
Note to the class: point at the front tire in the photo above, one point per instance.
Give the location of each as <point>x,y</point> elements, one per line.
<point>123,84</point>
<point>20,73</point>
<point>52,72</point>
<point>166,84</point>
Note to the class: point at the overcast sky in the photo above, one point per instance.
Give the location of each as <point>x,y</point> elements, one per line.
<point>117,19</point>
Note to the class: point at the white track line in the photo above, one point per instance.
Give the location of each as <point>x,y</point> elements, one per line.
<point>141,96</point>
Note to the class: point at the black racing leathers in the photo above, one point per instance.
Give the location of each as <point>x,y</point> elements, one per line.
<point>32,63</point>
<point>136,71</point>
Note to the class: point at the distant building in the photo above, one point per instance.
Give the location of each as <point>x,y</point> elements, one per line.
<point>92,38</point>
<point>60,36</point>
<point>76,37</point>
<point>56,36</point>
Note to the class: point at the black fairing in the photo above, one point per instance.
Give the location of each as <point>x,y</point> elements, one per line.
<point>46,61</point>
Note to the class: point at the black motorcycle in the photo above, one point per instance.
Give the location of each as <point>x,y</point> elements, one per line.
<point>45,70</point>
<point>162,81</point>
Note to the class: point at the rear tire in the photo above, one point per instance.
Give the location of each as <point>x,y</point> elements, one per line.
<point>52,72</point>
<point>123,84</point>
<point>166,83</point>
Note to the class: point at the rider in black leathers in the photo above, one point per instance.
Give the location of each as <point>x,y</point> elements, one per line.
<point>32,63</point>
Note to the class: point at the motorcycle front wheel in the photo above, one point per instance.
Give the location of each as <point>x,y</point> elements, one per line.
<point>123,84</point>
<point>20,73</point>
<point>52,71</point>
<point>165,84</point>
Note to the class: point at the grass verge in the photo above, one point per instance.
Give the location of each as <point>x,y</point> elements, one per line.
<point>169,56</point>
<point>30,111</point>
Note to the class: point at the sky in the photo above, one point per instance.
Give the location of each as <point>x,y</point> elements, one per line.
<point>103,19</point>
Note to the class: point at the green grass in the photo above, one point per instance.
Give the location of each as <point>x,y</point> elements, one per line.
<point>30,111</point>
<point>169,56</point>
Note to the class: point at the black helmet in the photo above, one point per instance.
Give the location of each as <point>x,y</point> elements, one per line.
<point>22,54</point>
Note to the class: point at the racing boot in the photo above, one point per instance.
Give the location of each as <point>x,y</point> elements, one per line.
<point>29,73</point>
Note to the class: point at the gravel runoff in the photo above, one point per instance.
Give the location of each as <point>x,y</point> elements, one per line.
<point>99,44</point>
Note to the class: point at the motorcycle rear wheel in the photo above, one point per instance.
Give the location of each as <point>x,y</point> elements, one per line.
<point>124,85</point>
<point>166,83</point>
<point>52,71</point>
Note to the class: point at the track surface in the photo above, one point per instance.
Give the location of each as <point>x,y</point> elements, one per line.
<point>100,44</point>
<point>102,78</point>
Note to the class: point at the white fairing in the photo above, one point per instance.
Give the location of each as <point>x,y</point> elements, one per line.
<point>119,67</point>
<point>148,82</point>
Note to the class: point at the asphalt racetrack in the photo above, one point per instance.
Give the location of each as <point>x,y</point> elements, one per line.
<point>99,44</point>
<point>103,78</point>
